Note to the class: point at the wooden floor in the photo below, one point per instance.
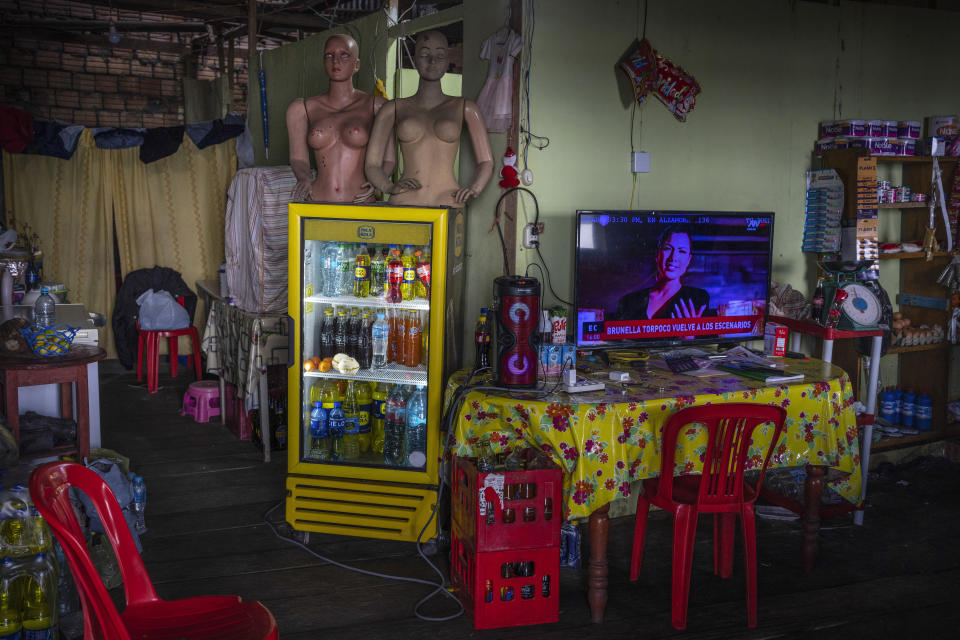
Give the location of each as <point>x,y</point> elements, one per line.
<point>896,576</point>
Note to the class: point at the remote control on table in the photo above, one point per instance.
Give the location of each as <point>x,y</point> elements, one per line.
<point>680,364</point>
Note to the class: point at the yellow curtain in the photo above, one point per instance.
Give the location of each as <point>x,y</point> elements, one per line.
<point>68,204</point>
<point>170,213</point>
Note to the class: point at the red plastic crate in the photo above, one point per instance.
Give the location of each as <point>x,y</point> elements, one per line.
<point>527,511</point>
<point>497,601</point>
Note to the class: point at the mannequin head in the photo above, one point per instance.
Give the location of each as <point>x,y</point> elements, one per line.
<point>430,55</point>
<point>341,57</point>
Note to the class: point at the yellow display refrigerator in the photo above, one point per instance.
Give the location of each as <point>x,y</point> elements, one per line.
<point>373,481</point>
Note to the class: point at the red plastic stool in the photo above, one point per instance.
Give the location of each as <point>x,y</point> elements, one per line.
<point>202,400</point>
<point>151,341</point>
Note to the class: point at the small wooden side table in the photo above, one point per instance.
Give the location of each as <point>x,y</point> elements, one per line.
<point>67,370</point>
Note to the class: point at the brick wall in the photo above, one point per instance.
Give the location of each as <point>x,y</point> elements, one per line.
<point>103,86</point>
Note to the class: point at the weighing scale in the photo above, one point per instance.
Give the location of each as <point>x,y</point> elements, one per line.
<point>864,306</point>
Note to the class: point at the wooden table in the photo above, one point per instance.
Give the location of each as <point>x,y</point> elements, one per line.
<point>606,440</point>
<point>67,370</point>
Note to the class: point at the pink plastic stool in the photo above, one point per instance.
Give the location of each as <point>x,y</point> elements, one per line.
<point>202,400</point>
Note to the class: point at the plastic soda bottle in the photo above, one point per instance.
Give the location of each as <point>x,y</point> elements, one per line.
<point>361,272</point>
<point>38,600</point>
<point>351,425</point>
<point>378,272</point>
<point>364,415</point>
<point>409,263</point>
<point>140,501</point>
<point>816,306</point>
<point>378,415</point>
<point>331,392</point>
<point>395,344</point>
<point>415,440</point>
<point>336,424</point>
<point>481,338</point>
<point>381,335</point>
<point>411,349</point>
<point>365,341</point>
<point>422,285</point>
<point>353,333</point>
<point>394,426</point>
<point>328,339</point>
<point>319,432</point>
<point>394,275</point>
<point>341,331</point>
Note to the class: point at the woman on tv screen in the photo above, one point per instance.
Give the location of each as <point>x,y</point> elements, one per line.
<point>668,297</point>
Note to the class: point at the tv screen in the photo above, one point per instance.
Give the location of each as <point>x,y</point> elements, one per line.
<point>671,277</point>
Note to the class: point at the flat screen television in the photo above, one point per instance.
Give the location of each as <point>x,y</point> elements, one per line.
<point>668,278</point>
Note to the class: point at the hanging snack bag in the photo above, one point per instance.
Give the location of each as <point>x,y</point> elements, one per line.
<point>676,89</point>
<point>640,66</point>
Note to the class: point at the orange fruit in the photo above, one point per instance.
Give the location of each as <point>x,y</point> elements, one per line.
<point>308,365</point>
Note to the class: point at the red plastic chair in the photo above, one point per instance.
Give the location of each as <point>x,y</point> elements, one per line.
<point>720,490</point>
<point>146,616</point>
<point>151,339</point>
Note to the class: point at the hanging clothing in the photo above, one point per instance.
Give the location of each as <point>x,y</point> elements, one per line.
<point>16,128</point>
<point>53,138</point>
<point>160,142</point>
<point>496,98</point>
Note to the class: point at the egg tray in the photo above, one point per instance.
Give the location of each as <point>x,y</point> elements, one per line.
<point>49,341</point>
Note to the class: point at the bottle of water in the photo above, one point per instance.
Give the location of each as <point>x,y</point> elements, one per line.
<point>394,427</point>
<point>415,440</point>
<point>39,613</point>
<point>381,333</point>
<point>330,269</point>
<point>336,423</point>
<point>346,259</point>
<point>45,309</point>
<point>140,502</point>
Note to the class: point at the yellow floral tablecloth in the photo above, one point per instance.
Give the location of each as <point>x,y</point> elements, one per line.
<point>607,439</point>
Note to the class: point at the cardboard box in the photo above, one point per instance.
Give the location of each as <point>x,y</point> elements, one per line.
<point>553,358</point>
<point>775,339</point>
<point>943,126</point>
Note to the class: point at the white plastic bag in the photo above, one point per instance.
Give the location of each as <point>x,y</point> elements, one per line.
<point>159,311</point>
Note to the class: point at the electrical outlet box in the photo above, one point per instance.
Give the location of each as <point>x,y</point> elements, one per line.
<point>531,235</point>
<point>531,239</point>
<point>640,162</point>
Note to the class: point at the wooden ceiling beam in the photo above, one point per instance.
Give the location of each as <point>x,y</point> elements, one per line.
<point>211,11</point>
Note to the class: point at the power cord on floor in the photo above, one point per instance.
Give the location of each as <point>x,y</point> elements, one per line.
<point>441,587</point>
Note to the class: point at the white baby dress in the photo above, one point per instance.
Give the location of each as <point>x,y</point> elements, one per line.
<point>496,97</point>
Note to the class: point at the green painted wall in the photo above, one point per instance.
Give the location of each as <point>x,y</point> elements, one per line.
<point>770,70</point>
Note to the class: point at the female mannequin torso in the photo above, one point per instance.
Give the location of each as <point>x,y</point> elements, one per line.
<point>335,126</point>
<point>428,127</point>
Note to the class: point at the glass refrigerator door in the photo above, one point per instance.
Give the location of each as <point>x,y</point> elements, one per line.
<point>365,324</point>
